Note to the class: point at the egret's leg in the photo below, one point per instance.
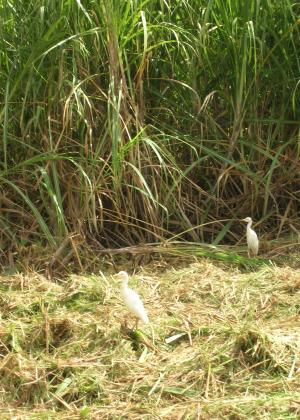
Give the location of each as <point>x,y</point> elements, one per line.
<point>125,322</point>
<point>124,326</point>
<point>136,323</point>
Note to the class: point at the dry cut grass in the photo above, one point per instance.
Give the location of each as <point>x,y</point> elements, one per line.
<point>222,344</point>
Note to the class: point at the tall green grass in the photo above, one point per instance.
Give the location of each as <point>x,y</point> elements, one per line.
<point>131,122</point>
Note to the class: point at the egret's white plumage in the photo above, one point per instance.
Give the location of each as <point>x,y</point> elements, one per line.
<point>252,239</point>
<point>132,300</point>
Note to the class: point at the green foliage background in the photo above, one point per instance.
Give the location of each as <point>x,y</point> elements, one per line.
<point>128,122</point>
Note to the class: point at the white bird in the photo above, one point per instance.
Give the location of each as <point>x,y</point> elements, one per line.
<point>132,300</point>
<point>252,239</point>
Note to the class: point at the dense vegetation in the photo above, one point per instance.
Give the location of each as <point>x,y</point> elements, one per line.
<point>126,122</point>
<point>149,126</point>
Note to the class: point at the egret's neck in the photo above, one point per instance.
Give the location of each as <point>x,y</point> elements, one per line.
<point>249,224</point>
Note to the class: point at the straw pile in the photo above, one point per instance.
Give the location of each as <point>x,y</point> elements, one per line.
<point>223,344</point>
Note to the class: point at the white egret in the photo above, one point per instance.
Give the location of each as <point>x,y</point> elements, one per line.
<point>252,239</point>
<point>132,300</point>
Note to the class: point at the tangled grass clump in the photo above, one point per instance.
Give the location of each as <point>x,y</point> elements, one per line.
<point>140,122</point>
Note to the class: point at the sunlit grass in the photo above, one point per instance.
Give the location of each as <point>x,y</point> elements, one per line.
<point>221,343</point>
